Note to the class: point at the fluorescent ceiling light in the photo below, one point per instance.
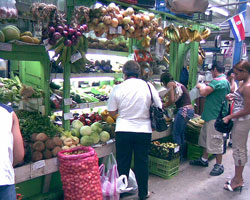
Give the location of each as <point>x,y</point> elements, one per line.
<point>248,3</point>
<point>221,11</point>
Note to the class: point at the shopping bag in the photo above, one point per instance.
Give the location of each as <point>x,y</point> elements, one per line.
<point>112,184</point>
<point>132,183</point>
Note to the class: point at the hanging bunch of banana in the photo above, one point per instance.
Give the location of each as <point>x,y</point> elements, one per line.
<point>172,33</point>
<point>193,35</point>
<point>146,42</point>
<point>201,55</point>
<point>206,33</point>
<point>65,51</point>
<point>183,34</point>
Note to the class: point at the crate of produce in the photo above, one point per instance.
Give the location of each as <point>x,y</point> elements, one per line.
<point>165,150</point>
<point>195,151</point>
<point>164,168</point>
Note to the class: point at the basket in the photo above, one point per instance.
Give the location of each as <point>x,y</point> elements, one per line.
<point>163,168</point>
<point>195,152</point>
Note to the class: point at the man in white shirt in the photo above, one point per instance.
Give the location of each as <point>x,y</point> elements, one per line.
<point>131,100</point>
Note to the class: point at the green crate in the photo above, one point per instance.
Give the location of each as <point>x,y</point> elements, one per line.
<point>195,151</point>
<point>192,133</point>
<point>164,168</point>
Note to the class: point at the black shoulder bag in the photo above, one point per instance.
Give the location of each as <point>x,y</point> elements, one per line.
<point>219,124</point>
<point>157,116</point>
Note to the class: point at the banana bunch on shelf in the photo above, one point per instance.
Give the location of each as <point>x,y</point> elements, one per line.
<point>183,34</point>
<point>64,53</point>
<point>206,33</point>
<point>172,33</point>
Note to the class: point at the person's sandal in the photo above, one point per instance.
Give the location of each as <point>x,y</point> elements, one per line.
<point>217,170</point>
<point>228,187</point>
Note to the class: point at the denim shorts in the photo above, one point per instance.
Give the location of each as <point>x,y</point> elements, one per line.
<point>7,192</point>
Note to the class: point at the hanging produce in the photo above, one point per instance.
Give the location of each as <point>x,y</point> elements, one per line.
<point>114,21</point>
<point>183,34</point>
<point>8,11</point>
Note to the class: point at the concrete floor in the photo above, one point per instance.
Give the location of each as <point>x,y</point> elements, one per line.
<point>195,183</point>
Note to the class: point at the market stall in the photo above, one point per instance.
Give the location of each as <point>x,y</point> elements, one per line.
<point>66,44</point>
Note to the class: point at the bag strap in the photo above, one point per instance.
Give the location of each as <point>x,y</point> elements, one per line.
<point>221,109</point>
<point>152,100</point>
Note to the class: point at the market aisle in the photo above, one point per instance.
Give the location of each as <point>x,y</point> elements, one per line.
<point>195,183</point>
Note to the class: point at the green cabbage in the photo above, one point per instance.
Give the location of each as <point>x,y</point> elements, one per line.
<point>85,130</point>
<point>96,127</point>
<point>104,136</point>
<point>77,124</point>
<point>86,141</point>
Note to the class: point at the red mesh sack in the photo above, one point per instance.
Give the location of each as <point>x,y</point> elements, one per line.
<point>80,174</point>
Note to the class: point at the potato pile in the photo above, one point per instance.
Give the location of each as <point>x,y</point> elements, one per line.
<point>44,147</point>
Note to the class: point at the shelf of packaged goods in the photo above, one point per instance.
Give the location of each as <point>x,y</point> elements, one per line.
<point>45,167</point>
<point>86,75</point>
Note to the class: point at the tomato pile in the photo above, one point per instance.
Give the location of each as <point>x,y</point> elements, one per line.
<point>80,176</point>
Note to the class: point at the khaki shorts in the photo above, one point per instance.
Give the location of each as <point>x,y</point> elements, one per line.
<point>240,133</point>
<point>211,139</point>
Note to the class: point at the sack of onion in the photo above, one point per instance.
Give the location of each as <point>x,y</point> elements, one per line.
<point>80,174</point>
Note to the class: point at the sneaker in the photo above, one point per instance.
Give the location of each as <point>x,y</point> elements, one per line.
<point>217,170</point>
<point>230,144</point>
<point>199,162</point>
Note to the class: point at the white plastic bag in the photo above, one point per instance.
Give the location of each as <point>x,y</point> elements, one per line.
<point>132,183</point>
<point>112,184</point>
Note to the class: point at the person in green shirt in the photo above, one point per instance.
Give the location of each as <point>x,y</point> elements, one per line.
<point>212,140</point>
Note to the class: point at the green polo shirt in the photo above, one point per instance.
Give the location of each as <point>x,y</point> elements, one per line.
<point>214,100</point>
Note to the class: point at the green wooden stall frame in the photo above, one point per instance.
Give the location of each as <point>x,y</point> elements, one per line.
<point>33,65</point>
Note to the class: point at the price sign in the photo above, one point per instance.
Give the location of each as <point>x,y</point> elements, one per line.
<point>176,149</point>
<point>39,164</point>
<point>67,102</point>
<point>75,57</point>
<point>119,30</point>
<point>68,116</point>
<point>5,47</point>
<point>112,30</point>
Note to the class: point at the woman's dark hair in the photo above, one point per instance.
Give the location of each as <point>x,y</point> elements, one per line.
<point>244,64</point>
<point>219,67</point>
<point>131,69</point>
<point>166,77</point>
<point>231,71</point>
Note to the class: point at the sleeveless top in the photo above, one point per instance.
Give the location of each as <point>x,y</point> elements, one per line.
<point>6,146</point>
<point>239,105</point>
<point>184,99</point>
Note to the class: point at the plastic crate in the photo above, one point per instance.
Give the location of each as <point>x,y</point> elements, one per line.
<point>192,133</point>
<point>161,6</point>
<point>163,168</point>
<point>164,153</point>
<point>195,151</point>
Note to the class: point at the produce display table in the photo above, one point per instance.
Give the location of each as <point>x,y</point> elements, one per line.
<point>45,167</point>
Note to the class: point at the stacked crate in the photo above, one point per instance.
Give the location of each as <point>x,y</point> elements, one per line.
<point>164,159</point>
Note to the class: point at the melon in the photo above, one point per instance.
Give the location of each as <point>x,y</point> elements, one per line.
<point>2,37</point>
<point>11,33</point>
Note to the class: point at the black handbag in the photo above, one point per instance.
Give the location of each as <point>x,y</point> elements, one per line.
<point>157,116</point>
<point>219,124</point>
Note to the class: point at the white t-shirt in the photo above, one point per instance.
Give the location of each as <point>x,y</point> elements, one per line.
<point>6,146</point>
<point>132,99</point>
